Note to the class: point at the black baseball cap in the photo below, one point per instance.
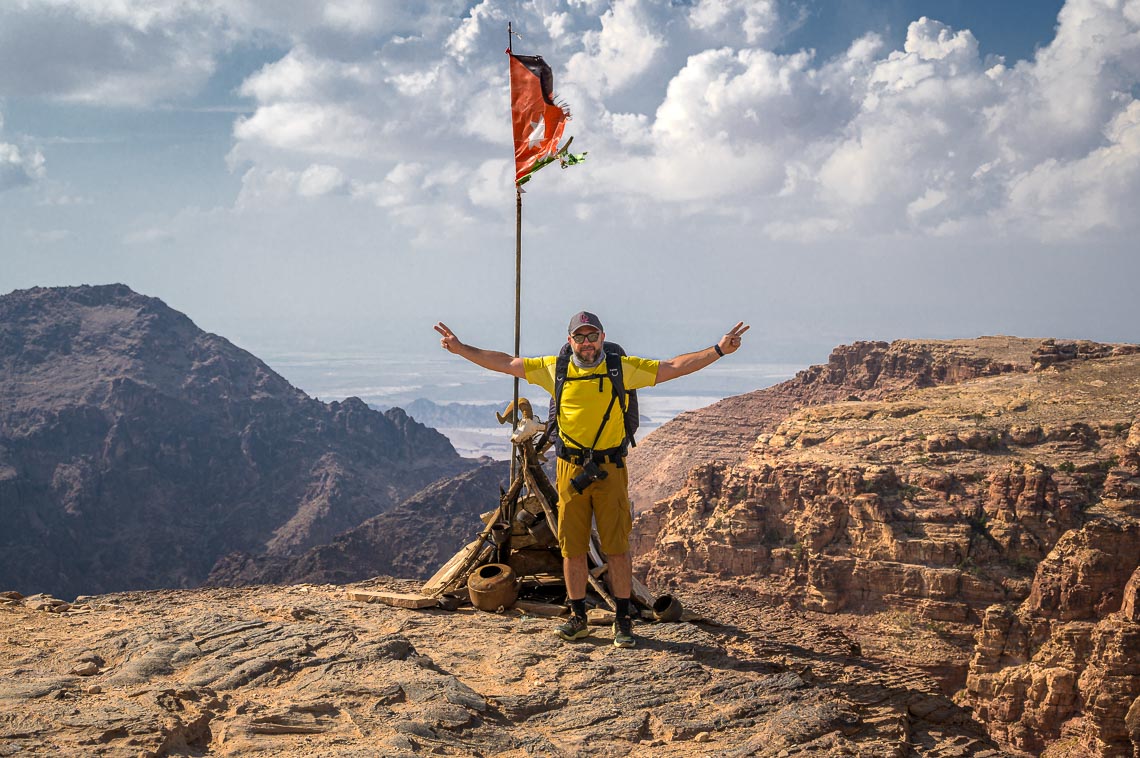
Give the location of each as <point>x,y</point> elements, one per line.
<point>584,318</point>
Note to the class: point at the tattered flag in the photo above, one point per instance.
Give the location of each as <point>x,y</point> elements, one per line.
<point>538,121</point>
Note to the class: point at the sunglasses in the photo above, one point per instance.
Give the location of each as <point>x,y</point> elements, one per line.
<point>587,337</point>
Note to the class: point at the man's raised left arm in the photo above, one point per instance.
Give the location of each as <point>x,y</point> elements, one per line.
<point>690,362</point>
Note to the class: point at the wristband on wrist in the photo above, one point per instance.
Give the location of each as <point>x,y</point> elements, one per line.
<point>718,350</point>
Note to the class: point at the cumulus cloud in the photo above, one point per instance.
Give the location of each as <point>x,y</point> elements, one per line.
<point>1095,192</point>
<point>19,167</point>
<point>927,138</point>
<point>757,20</point>
<point>123,53</point>
<point>140,52</point>
<point>615,56</point>
<point>691,108</point>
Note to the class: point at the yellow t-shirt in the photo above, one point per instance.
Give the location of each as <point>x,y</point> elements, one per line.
<point>584,402</point>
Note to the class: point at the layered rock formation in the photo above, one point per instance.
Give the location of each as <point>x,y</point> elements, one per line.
<point>725,431</point>
<point>302,671</point>
<point>136,449</point>
<point>1065,664</point>
<point>1020,489</point>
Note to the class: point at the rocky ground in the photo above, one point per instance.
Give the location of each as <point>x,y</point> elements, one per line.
<point>894,553</point>
<point>302,670</point>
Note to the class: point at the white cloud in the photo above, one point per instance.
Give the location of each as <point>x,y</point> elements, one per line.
<point>123,53</point>
<point>320,179</point>
<point>404,106</point>
<point>307,128</point>
<point>874,141</point>
<point>1096,192</point>
<point>614,57</point>
<point>726,19</point>
<point>464,41</point>
<point>19,167</point>
<point>149,236</point>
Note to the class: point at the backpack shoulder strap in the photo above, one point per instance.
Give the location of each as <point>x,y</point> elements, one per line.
<point>617,378</point>
<point>617,382</point>
<point>561,369</point>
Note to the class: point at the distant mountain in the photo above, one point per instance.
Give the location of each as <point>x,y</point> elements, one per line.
<point>411,540</point>
<point>450,415</point>
<point>136,450</point>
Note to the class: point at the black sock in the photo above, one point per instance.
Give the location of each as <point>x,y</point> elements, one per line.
<point>622,607</point>
<point>578,608</point>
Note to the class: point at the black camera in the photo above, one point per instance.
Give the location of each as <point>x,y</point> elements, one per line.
<point>590,474</point>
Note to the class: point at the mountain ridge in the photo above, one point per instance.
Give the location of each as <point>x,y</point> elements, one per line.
<point>136,449</point>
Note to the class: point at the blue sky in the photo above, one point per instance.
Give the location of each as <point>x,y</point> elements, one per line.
<point>336,176</point>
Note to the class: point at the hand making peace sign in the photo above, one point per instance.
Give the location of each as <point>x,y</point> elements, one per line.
<point>449,341</point>
<point>730,342</point>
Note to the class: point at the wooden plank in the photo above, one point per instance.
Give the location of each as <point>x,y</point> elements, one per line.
<point>547,508</point>
<point>599,617</point>
<point>600,570</point>
<point>638,591</point>
<point>601,590</point>
<point>395,599</point>
<point>595,554</point>
<point>542,580</point>
<point>456,570</point>
<point>447,571</point>
<point>535,608</point>
<point>641,593</point>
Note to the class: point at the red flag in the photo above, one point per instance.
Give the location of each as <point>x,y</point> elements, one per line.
<point>538,122</point>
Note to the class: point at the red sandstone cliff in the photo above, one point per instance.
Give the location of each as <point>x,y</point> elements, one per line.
<point>1002,502</point>
<point>725,431</point>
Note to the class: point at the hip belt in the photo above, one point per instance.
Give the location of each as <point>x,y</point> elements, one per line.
<point>578,457</point>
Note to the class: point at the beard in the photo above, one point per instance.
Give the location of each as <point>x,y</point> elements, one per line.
<point>581,361</point>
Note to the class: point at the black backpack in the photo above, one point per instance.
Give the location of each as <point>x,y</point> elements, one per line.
<point>626,400</point>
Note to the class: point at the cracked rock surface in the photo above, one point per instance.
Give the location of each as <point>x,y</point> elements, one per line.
<point>302,670</point>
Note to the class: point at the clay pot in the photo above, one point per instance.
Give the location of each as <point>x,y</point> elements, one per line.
<point>667,608</point>
<point>493,586</point>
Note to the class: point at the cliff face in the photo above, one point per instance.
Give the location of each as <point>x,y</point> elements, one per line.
<point>1004,505</point>
<point>412,540</point>
<point>726,431</point>
<point>1065,664</point>
<point>136,449</point>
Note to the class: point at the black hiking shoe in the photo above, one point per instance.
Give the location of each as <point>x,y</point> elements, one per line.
<point>623,633</point>
<point>573,629</point>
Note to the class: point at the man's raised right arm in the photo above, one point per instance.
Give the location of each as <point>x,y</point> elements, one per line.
<point>488,359</point>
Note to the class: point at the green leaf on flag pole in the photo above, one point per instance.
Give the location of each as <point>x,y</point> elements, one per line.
<point>564,157</point>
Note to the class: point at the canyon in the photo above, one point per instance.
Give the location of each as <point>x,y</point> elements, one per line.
<point>979,522</point>
<point>922,547</point>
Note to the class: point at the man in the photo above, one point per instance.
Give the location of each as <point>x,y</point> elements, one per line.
<point>592,431</point>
